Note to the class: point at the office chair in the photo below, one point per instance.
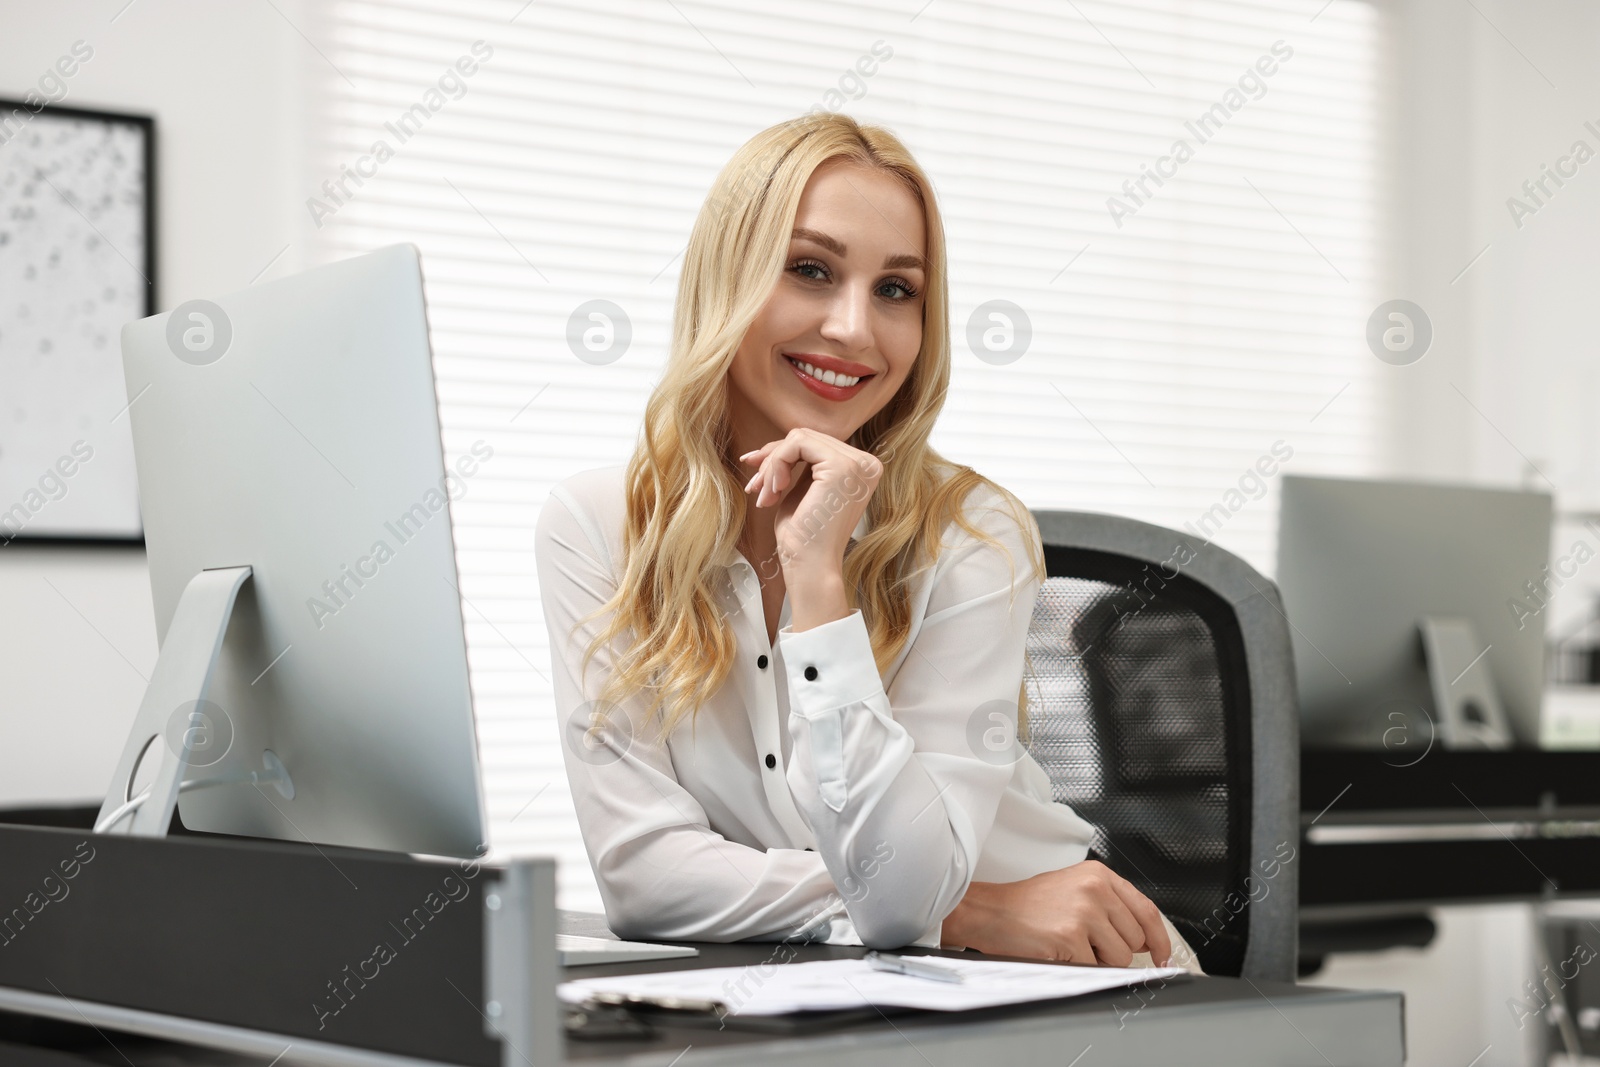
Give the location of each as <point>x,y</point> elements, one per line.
<point>1162,706</point>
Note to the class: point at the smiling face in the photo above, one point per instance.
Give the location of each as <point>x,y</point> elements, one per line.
<point>849,304</point>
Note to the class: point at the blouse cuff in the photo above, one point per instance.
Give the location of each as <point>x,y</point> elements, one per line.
<point>843,932</point>
<point>830,666</point>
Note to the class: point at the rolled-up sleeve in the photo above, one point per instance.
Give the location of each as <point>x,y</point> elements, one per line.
<point>662,871</point>
<point>900,786</point>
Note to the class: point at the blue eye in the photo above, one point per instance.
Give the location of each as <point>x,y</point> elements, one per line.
<point>801,266</point>
<point>804,263</point>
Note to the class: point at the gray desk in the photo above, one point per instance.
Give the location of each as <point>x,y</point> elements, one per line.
<point>1228,1022</point>
<point>1194,1023</point>
<point>230,942</point>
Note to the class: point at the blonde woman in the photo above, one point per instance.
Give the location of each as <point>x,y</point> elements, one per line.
<point>781,631</point>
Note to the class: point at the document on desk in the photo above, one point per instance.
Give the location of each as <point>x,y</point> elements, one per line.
<point>833,985</point>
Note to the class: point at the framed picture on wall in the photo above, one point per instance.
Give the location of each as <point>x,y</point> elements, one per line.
<point>77,262</point>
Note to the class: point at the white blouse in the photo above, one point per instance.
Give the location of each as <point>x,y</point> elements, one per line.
<point>810,798</point>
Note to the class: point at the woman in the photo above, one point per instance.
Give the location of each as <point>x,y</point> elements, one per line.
<point>807,624</point>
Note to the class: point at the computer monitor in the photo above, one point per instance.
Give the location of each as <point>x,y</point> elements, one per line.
<point>1361,565</point>
<point>289,455</point>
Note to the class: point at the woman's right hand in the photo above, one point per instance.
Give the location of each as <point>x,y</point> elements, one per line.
<point>1086,913</point>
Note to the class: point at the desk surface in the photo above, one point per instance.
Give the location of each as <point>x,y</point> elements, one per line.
<point>1195,1022</point>
<point>1192,1021</point>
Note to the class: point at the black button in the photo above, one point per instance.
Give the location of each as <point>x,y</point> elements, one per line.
<point>761,661</point>
<point>772,761</point>
<point>811,674</point>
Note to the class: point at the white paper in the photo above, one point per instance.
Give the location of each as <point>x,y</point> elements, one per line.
<point>779,988</point>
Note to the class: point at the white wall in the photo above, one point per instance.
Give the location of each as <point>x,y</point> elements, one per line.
<point>1456,989</point>
<point>1476,114</point>
<point>77,635</point>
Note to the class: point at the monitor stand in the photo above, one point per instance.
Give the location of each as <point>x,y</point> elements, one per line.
<point>1464,697</point>
<point>172,712</point>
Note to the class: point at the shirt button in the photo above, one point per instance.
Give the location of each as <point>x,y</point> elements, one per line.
<point>772,761</point>
<point>761,661</point>
<point>811,674</point>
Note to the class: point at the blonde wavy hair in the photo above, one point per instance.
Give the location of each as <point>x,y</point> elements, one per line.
<point>685,493</point>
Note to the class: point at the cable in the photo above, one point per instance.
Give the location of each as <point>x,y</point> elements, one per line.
<point>253,778</point>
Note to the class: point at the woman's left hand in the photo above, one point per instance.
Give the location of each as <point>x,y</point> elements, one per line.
<point>834,482</point>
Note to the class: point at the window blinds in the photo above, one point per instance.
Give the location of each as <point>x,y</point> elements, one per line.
<point>1178,205</point>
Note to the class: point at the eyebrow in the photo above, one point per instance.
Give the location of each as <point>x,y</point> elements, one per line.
<point>902,260</point>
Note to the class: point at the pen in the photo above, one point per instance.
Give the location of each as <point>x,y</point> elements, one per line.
<point>919,968</point>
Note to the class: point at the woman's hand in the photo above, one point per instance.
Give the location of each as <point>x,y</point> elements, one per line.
<point>1086,913</point>
<point>820,487</point>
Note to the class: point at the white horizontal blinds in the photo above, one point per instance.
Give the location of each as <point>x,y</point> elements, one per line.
<point>1205,328</point>
<point>1185,342</point>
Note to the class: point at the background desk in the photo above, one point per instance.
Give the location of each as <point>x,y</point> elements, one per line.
<point>1386,835</point>
<point>1390,829</point>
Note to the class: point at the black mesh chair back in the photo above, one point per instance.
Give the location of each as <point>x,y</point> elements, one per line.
<point>1161,705</point>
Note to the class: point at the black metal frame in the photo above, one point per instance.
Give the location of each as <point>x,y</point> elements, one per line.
<point>146,125</point>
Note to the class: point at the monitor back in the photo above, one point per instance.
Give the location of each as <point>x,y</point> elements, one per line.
<point>1361,562</point>
<point>293,427</point>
